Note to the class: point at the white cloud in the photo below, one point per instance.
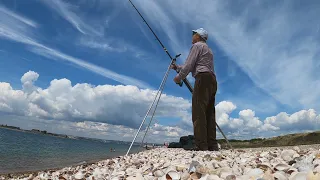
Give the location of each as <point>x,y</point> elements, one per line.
<point>12,101</point>
<point>71,13</point>
<point>249,118</point>
<point>13,30</point>
<point>115,112</point>
<point>120,105</point>
<point>98,43</point>
<point>15,27</point>
<point>7,12</point>
<point>223,109</point>
<point>98,130</point>
<point>118,45</point>
<point>299,120</point>
<point>247,122</point>
<point>92,31</point>
<point>265,41</point>
<point>54,54</point>
<point>267,127</point>
<point>27,81</point>
<point>95,34</point>
<point>247,125</point>
<point>160,18</point>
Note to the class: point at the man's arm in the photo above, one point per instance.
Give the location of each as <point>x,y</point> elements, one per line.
<point>190,62</point>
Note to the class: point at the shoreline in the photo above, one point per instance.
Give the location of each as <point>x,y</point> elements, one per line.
<point>34,173</point>
<point>24,174</point>
<point>162,162</point>
<point>18,173</point>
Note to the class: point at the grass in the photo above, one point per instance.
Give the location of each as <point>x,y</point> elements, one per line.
<point>285,140</point>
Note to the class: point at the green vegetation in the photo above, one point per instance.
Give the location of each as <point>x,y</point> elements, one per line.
<point>285,140</point>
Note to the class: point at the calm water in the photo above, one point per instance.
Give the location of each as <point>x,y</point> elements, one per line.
<point>22,151</point>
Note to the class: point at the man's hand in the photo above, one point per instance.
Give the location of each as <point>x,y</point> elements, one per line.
<point>173,66</point>
<point>177,79</point>
<point>176,67</point>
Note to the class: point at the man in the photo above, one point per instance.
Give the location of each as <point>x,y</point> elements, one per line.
<point>200,63</point>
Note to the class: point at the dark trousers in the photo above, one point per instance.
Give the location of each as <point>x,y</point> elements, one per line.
<point>203,111</point>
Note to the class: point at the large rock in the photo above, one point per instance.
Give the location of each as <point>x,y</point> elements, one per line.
<point>185,141</point>
<point>174,145</point>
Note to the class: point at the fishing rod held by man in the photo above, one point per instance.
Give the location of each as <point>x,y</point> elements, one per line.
<point>173,64</point>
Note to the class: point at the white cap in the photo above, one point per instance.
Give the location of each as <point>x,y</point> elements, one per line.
<point>203,33</point>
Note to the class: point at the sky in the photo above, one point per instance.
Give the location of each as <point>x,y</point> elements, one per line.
<point>92,68</point>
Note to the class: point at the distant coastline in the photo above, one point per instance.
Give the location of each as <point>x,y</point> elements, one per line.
<point>42,132</point>
<point>37,131</point>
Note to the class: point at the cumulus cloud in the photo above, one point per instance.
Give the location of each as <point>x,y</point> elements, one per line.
<point>223,109</point>
<point>249,125</point>
<point>118,105</point>
<point>157,132</point>
<point>115,112</point>
<point>27,81</point>
<point>304,119</point>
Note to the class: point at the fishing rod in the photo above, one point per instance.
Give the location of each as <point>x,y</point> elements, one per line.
<point>159,91</point>
<point>173,61</point>
<point>165,49</point>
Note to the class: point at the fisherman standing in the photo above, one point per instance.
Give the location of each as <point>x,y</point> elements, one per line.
<point>200,63</point>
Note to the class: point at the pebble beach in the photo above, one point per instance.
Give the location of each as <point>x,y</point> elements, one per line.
<point>277,163</point>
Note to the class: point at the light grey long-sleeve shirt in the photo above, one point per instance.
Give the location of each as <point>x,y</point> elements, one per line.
<point>200,59</point>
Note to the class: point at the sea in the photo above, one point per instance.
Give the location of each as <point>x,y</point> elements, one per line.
<point>27,152</point>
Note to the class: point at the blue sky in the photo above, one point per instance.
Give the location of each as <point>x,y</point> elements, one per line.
<point>266,61</point>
